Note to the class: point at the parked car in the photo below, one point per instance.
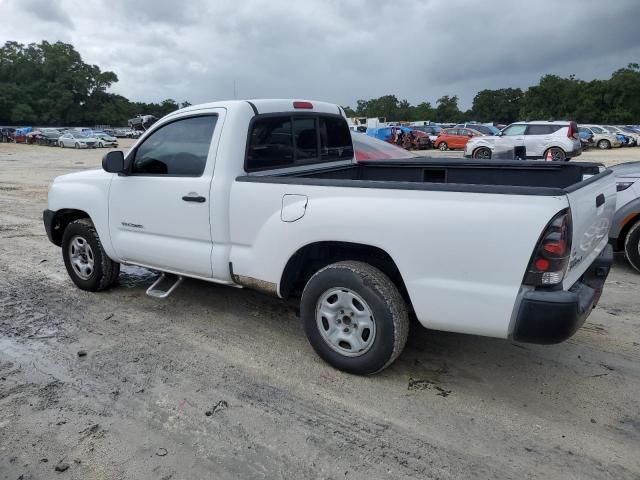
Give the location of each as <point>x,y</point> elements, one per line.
<point>388,134</point>
<point>120,132</point>
<point>586,137</point>
<point>366,147</point>
<point>7,134</point>
<point>20,135</point>
<point>141,122</point>
<point>625,228</point>
<point>32,137</point>
<point>529,140</point>
<point>432,130</point>
<point>625,140</point>
<point>601,137</point>
<point>266,195</point>
<point>478,127</point>
<point>630,132</point>
<point>454,138</point>
<point>49,137</point>
<point>76,140</point>
<point>105,140</point>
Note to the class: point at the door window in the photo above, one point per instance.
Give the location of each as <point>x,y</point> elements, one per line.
<point>178,148</point>
<point>514,130</point>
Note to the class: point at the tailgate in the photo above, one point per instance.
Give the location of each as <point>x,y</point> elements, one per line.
<point>593,204</point>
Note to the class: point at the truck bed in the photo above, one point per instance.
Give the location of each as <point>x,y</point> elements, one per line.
<point>507,177</point>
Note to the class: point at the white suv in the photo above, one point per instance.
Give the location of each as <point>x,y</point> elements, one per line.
<point>528,140</point>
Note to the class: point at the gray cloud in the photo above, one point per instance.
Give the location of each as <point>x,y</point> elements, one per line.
<point>47,11</point>
<point>334,50</point>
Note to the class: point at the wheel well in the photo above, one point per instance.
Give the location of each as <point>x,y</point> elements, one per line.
<point>623,233</point>
<point>478,148</point>
<point>63,218</point>
<point>315,256</point>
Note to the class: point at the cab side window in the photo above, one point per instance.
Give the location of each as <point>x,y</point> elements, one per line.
<point>277,141</point>
<point>178,148</point>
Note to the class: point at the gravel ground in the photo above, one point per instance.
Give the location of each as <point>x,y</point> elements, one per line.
<point>217,382</point>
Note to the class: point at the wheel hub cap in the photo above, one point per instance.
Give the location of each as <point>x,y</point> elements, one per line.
<point>345,322</point>
<point>81,257</point>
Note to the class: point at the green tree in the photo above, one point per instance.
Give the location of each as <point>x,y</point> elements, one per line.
<point>447,109</point>
<point>501,105</point>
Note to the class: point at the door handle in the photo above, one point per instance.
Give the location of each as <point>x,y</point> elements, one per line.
<point>197,199</point>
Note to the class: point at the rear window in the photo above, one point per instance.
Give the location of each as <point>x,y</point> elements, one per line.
<point>277,141</point>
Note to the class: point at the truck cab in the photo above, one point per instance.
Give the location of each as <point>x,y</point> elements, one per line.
<point>266,194</point>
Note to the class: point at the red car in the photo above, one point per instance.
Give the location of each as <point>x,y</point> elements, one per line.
<point>19,137</point>
<point>454,138</point>
<point>370,148</point>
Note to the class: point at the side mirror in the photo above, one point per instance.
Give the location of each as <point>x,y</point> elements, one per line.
<point>113,162</point>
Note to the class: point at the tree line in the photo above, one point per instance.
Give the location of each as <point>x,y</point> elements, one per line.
<point>49,84</point>
<point>612,101</point>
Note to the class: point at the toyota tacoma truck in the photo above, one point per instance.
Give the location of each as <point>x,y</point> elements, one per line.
<point>266,194</point>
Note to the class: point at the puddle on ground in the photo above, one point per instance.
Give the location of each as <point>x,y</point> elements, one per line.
<point>132,276</point>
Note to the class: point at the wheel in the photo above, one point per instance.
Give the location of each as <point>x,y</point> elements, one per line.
<point>604,144</point>
<point>443,146</point>
<point>77,145</point>
<point>61,144</point>
<point>354,317</point>
<point>100,144</point>
<point>632,246</point>
<point>482,153</point>
<point>557,154</point>
<point>86,261</point>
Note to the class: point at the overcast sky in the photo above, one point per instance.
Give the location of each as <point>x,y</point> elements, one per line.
<point>333,50</point>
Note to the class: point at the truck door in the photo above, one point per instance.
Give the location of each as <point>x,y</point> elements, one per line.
<point>159,213</point>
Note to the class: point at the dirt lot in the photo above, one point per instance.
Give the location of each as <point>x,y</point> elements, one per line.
<point>220,383</point>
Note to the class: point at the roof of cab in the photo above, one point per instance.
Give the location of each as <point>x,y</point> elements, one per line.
<point>264,105</point>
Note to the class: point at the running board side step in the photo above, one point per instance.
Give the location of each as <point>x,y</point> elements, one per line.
<point>163,287</point>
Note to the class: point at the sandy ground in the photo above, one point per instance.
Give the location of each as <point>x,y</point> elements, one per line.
<point>216,382</point>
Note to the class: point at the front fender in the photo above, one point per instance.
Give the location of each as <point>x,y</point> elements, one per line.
<point>91,195</point>
<point>623,216</point>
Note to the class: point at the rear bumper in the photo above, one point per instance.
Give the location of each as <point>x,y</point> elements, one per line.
<point>555,315</point>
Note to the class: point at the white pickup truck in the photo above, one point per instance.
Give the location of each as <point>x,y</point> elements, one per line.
<point>266,194</point>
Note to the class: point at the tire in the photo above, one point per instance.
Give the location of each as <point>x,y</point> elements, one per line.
<point>482,153</point>
<point>61,144</point>
<point>443,146</point>
<point>100,144</point>
<point>90,269</point>
<point>604,144</point>
<point>77,146</point>
<point>632,246</point>
<point>354,290</point>
<point>557,154</point>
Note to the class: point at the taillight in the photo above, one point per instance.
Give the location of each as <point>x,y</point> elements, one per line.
<point>571,132</point>
<point>550,258</point>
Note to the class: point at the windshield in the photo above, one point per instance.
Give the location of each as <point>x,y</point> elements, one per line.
<point>370,148</point>
<point>597,129</point>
